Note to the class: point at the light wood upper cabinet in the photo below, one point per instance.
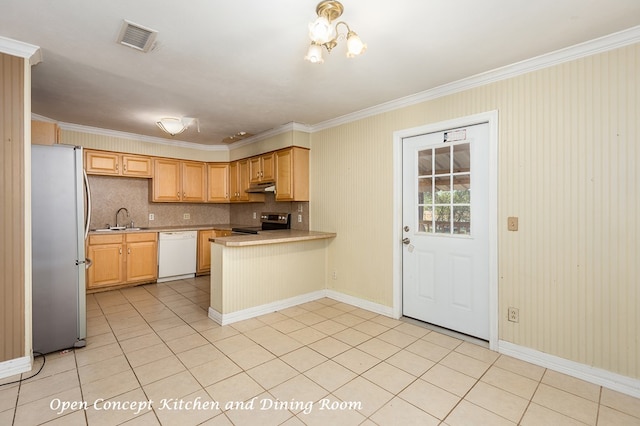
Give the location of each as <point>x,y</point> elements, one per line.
<point>116,164</point>
<point>175,181</point>
<point>166,180</point>
<point>292,179</point>
<point>234,181</point>
<point>262,168</point>
<point>44,133</point>
<point>194,182</point>
<point>239,182</point>
<point>218,183</point>
<point>136,166</point>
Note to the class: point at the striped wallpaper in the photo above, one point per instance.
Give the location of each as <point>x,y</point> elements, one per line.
<point>13,262</point>
<point>568,155</point>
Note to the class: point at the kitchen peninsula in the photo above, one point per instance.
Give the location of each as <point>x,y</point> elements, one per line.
<point>253,275</point>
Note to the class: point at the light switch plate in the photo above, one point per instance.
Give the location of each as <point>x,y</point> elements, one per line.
<point>512,223</point>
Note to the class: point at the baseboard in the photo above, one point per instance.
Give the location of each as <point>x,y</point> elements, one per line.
<point>244,314</point>
<point>225,319</point>
<point>15,366</point>
<point>360,303</point>
<point>598,376</point>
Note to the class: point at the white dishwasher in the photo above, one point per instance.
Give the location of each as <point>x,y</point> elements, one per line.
<point>177,255</point>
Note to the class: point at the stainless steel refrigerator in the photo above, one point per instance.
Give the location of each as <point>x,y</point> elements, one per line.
<point>58,261</point>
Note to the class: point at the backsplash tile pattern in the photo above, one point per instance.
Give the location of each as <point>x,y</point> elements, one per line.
<point>243,213</point>
<point>109,193</point>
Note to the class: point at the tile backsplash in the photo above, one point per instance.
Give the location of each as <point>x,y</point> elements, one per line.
<point>108,194</point>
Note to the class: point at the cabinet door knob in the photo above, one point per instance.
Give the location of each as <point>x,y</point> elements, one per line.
<point>124,167</point>
<point>128,251</point>
<point>117,167</point>
<point>120,250</point>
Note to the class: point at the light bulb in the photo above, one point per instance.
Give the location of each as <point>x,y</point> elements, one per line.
<point>314,54</point>
<point>355,46</point>
<point>321,31</point>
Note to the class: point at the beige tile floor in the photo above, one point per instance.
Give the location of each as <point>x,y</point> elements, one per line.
<point>153,357</point>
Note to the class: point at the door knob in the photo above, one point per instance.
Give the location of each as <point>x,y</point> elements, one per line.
<point>406,229</point>
<point>406,241</point>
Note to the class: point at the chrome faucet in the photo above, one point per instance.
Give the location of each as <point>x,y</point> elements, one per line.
<point>118,213</point>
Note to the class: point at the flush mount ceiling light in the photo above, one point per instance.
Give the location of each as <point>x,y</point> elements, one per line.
<point>324,34</point>
<point>175,126</point>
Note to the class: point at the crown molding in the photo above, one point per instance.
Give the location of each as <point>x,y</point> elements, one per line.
<point>288,127</point>
<point>588,48</point>
<point>21,50</point>
<point>592,47</point>
<point>137,137</point>
<point>292,126</point>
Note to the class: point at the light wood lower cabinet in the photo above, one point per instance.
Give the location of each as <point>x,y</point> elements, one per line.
<point>203,264</point>
<point>122,259</point>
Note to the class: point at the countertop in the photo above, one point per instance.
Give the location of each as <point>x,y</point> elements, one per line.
<point>271,237</point>
<point>223,226</point>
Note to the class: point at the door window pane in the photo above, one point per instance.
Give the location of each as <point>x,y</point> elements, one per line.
<point>425,191</point>
<point>442,219</point>
<point>461,219</point>
<point>444,189</point>
<point>425,160</point>
<point>425,219</point>
<point>461,158</point>
<point>443,160</point>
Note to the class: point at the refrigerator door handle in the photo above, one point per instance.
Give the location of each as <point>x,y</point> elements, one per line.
<point>88,191</point>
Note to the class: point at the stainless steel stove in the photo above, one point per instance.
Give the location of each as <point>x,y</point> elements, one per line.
<point>270,221</point>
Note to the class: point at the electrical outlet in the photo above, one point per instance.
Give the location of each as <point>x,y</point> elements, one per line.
<point>299,218</point>
<point>186,216</point>
<point>300,208</point>
<point>513,314</point>
<point>334,275</point>
<point>512,223</point>
<point>152,216</point>
<point>255,215</point>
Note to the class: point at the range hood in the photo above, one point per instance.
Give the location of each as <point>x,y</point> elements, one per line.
<point>262,187</point>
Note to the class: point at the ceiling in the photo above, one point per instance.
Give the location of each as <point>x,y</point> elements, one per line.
<point>238,65</point>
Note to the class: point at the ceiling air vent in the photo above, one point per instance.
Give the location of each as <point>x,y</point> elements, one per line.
<point>136,36</point>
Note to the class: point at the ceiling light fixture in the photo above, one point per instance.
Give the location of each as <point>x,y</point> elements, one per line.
<point>322,33</point>
<point>175,126</point>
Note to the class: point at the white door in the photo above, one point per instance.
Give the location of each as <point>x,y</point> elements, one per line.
<point>445,204</point>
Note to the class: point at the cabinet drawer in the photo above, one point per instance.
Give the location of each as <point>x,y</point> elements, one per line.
<point>105,239</point>
<point>143,236</point>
